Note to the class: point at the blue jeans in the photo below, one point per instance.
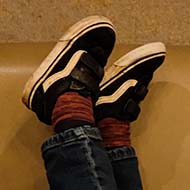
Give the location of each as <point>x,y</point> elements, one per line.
<point>76,160</point>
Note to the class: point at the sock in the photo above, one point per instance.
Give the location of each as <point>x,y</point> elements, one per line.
<point>72,109</point>
<point>115,133</point>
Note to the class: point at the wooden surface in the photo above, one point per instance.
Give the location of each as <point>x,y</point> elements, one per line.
<point>161,135</point>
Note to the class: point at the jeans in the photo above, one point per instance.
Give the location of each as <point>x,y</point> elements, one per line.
<point>76,160</point>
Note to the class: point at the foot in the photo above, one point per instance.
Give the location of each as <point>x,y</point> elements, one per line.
<point>75,63</point>
<point>125,83</point>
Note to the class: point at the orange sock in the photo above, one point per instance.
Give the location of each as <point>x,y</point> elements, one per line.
<point>115,132</point>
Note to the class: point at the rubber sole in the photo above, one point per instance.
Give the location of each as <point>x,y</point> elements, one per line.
<point>126,63</point>
<point>130,60</point>
<point>64,44</point>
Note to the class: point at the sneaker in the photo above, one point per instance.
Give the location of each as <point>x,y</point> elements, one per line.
<point>125,83</point>
<point>86,44</point>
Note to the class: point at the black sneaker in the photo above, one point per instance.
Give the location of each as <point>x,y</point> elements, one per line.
<point>125,83</point>
<point>79,56</point>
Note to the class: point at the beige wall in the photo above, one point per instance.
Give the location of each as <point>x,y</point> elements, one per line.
<point>137,21</point>
<point>161,135</point>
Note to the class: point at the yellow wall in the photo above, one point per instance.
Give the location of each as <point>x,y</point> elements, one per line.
<point>161,135</point>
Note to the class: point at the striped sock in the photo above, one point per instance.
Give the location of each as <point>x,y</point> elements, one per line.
<point>115,133</point>
<point>72,109</point>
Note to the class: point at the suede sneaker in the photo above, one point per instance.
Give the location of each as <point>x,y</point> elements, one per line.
<point>75,64</point>
<point>125,83</point>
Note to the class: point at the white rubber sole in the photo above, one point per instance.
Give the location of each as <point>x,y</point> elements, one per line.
<point>63,45</point>
<point>130,60</point>
<point>124,64</point>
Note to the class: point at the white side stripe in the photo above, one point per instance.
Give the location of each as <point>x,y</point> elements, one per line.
<point>118,93</point>
<point>65,72</point>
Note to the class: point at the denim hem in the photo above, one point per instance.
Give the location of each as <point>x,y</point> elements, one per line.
<point>120,153</point>
<point>71,135</point>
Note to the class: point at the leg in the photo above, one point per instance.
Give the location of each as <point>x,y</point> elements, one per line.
<point>121,90</point>
<point>116,137</point>
<point>76,159</point>
<point>62,92</point>
<point>129,177</point>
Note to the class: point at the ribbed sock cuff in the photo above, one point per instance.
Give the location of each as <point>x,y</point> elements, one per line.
<point>115,133</point>
<point>72,108</point>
